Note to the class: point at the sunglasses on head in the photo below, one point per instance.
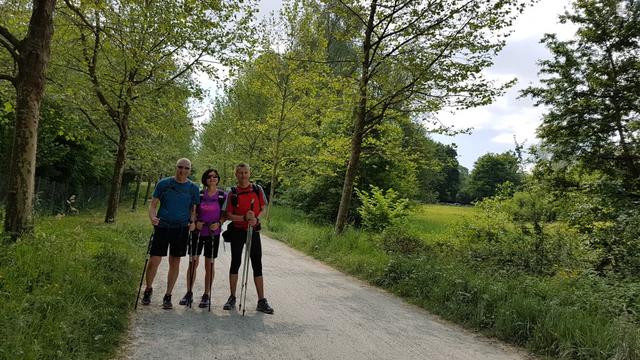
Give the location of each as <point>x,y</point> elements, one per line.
<point>183,167</point>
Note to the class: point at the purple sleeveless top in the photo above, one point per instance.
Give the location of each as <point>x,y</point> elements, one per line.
<point>209,211</point>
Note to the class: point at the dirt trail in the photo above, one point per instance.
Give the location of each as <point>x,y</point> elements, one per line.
<point>320,313</point>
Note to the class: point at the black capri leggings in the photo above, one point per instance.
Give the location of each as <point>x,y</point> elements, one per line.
<point>237,244</point>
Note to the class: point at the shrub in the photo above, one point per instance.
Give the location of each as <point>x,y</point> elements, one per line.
<point>397,239</point>
<point>518,233</point>
<point>379,210</point>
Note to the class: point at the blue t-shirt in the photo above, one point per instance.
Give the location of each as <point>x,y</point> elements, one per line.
<point>176,200</point>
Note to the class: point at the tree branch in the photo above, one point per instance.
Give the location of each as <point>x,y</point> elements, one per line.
<point>400,95</point>
<point>319,61</point>
<point>364,22</point>
<point>10,79</point>
<point>10,48</point>
<point>5,33</point>
<point>84,112</point>
<point>91,65</point>
<point>183,71</point>
<point>79,13</point>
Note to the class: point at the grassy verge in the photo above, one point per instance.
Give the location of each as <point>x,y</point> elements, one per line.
<point>67,290</point>
<point>568,316</point>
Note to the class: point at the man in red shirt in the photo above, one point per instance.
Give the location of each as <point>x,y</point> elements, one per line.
<point>242,214</point>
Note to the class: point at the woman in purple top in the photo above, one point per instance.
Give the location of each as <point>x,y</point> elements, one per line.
<point>208,224</point>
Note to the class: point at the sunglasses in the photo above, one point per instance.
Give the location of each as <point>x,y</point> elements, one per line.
<point>183,167</point>
<point>212,176</point>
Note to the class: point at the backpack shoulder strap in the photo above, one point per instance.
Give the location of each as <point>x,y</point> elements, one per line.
<point>220,198</point>
<point>234,197</point>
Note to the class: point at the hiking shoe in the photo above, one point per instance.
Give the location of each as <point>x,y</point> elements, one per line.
<point>166,302</point>
<point>187,299</point>
<point>263,306</point>
<point>230,304</point>
<point>146,296</point>
<point>204,302</point>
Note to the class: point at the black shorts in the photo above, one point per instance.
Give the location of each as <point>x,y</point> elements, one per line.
<point>173,239</point>
<point>204,242</point>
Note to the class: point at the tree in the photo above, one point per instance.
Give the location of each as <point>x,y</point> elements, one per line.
<point>490,171</point>
<point>134,50</point>
<point>418,57</point>
<point>592,91</point>
<point>30,57</point>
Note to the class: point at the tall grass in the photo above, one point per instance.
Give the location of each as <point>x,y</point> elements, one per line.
<point>66,291</point>
<point>568,316</point>
<point>355,255</point>
<point>436,221</point>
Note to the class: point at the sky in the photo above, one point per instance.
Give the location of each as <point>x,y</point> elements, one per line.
<point>494,126</point>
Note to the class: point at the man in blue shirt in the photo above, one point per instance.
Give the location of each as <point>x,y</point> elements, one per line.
<point>178,198</point>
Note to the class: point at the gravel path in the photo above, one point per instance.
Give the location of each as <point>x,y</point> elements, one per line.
<point>320,313</point>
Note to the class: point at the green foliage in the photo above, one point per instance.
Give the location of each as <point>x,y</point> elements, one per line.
<point>355,252</point>
<point>400,240</point>
<point>489,172</point>
<point>610,227</point>
<point>598,207</point>
<point>571,315</point>
<point>591,90</point>
<point>66,291</point>
<point>380,209</point>
<point>516,233</point>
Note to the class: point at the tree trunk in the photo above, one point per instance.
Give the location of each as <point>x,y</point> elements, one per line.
<point>146,194</point>
<point>274,179</point>
<point>349,177</point>
<point>116,180</point>
<point>34,51</point>
<point>137,193</point>
<point>358,126</point>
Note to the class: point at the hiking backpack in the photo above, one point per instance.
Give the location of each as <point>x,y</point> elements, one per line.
<point>234,194</point>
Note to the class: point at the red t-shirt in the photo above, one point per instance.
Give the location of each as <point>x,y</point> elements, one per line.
<point>244,197</point>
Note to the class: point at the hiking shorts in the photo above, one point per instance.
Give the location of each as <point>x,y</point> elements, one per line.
<point>172,239</point>
<point>206,243</point>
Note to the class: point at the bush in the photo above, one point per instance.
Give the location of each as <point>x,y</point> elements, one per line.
<point>397,239</point>
<point>380,210</point>
<point>517,233</point>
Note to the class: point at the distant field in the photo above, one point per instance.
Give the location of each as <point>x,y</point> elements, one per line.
<point>434,220</point>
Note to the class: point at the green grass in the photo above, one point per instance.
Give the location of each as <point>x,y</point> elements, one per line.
<point>356,255</point>
<point>66,291</point>
<point>438,220</point>
<point>567,316</point>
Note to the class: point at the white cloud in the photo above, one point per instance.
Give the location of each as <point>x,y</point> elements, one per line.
<point>503,138</point>
<point>542,18</point>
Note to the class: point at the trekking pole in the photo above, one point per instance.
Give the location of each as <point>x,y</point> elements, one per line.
<point>144,269</point>
<point>211,273</point>
<point>191,265</point>
<point>245,269</point>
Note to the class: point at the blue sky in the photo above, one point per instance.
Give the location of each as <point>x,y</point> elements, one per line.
<point>495,125</point>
